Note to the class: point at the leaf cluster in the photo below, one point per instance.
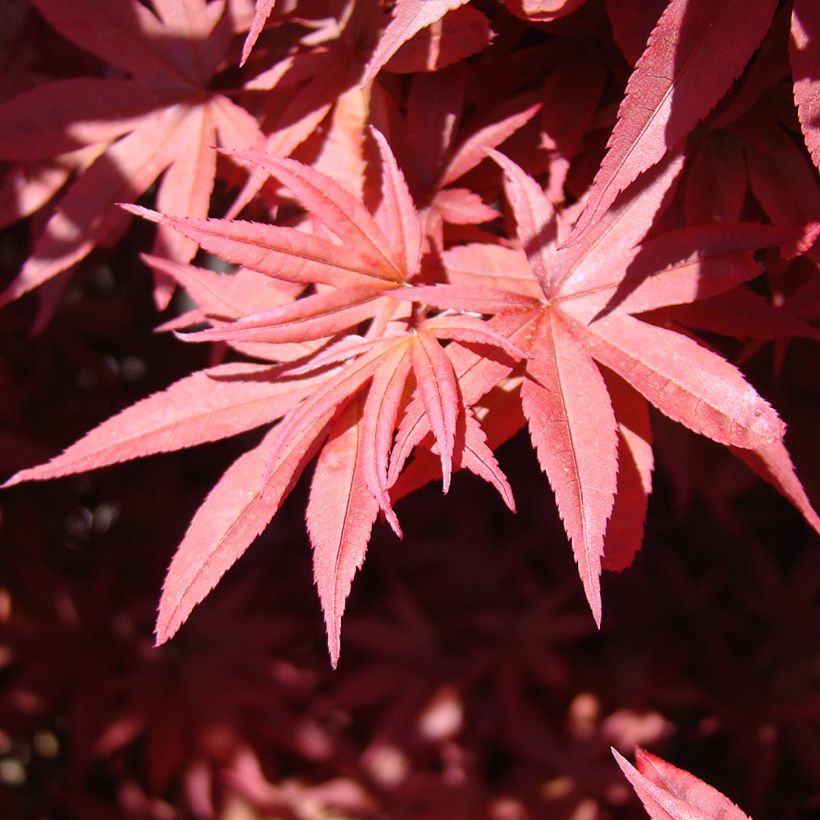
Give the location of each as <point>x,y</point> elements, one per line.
<point>439,223</point>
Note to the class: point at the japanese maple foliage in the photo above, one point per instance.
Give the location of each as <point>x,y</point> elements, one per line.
<point>566,310</point>
<point>667,791</point>
<point>408,230</point>
<point>162,118</point>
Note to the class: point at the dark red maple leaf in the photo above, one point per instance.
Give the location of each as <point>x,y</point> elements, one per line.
<point>163,118</point>
<point>437,149</point>
<point>805,62</point>
<point>675,84</point>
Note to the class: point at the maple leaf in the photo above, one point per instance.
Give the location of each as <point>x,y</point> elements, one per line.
<point>668,792</point>
<point>460,33</point>
<point>317,395</point>
<point>571,310</point>
<point>675,84</point>
<point>805,62</point>
<point>311,94</point>
<point>409,17</point>
<point>263,10</point>
<point>162,119</point>
<point>437,149</point>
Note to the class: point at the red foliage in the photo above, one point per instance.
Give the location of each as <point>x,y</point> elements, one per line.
<point>462,220</point>
<point>669,792</point>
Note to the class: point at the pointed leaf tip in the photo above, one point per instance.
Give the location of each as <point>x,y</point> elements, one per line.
<point>260,17</point>
<point>409,17</point>
<point>139,210</point>
<point>669,792</point>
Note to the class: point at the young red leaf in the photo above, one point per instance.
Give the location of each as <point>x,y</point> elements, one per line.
<point>460,206</point>
<point>471,330</point>
<point>237,509</point>
<point>622,227</point>
<point>379,422</point>
<point>206,406</point>
<point>533,216</point>
<point>336,208</point>
<point>226,296</point>
<point>401,220</point>
<point>478,458</point>
<point>506,120</point>
<point>476,376</point>
<point>283,253</point>
<point>303,420</point>
<point>472,299</point>
<point>472,452</point>
<point>684,381</point>
<point>343,152</point>
<point>340,515</point>
<point>669,793</point>
<point>479,265</point>
<point>313,317</point>
<point>676,83</point>
<point>624,533</point>
<point>346,349</point>
<point>773,464</point>
<point>572,427</point>
<point>439,391</point>
<point>186,186</point>
<point>303,113</point>
<point>677,267</point>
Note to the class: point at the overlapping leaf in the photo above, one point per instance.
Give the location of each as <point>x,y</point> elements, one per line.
<point>164,118</point>
<point>675,84</point>
<point>576,315</point>
<point>351,269</point>
<point>372,352</point>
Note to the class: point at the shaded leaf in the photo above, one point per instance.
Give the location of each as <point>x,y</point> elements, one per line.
<point>804,54</point>
<point>676,83</point>
<point>409,17</point>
